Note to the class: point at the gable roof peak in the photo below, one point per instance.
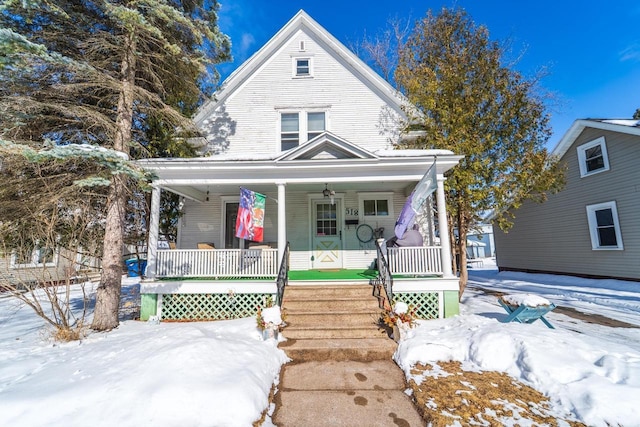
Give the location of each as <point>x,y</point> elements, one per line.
<point>629,126</point>
<point>302,20</point>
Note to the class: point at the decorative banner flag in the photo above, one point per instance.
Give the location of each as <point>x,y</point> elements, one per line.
<point>250,220</point>
<point>405,217</point>
<point>424,188</point>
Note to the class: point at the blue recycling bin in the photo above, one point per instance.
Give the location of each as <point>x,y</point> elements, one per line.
<point>135,267</point>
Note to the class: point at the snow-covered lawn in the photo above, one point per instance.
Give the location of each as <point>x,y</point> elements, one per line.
<point>220,373</point>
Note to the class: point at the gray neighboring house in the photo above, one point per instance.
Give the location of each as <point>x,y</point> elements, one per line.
<point>592,227</point>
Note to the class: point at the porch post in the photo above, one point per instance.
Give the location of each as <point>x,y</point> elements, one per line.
<point>443,228</point>
<point>282,220</point>
<point>154,222</point>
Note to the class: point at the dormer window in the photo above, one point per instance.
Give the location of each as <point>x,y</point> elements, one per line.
<point>302,67</point>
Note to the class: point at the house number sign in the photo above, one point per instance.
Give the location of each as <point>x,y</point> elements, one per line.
<point>351,211</point>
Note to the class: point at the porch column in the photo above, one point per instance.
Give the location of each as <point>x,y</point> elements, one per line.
<point>282,220</point>
<point>154,222</point>
<point>443,228</point>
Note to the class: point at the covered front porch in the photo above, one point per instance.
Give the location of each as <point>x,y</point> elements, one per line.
<point>328,203</point>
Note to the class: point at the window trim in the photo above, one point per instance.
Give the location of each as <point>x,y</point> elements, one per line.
<point>593,226</point>
<point>294,64</point>
<point>303,125</point>
<point>281,133</point>
<point>34,257</point>
<point>378,195</point>
<point>582,157</point>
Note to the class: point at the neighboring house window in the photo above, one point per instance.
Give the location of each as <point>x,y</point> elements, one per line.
<point>289,130</point>
<point>302,67</point>
<point>593,158</point>
<point>315,124</point>
<point>37,257</point>
<point>604,227</point>
<point>375,204</point>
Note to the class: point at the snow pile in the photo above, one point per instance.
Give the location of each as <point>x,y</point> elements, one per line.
<point>527,300</point>
<point>272,315</point>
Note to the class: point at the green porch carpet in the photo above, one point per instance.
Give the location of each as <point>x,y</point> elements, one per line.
<point>337,274</point>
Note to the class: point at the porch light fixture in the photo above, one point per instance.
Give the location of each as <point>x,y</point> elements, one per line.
<point>330,194</point>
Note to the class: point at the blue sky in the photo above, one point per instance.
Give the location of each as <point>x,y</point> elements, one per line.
<point>590,49</point>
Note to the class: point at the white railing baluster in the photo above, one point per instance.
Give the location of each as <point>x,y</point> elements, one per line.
<point>415,260</point>
<point>222,263</point>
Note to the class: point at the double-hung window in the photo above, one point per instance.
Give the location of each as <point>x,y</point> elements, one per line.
<point>303,67</point>
<point>604,227</point>
<point>289,130</point>
<point>315,124</point>
<point>592,157</point>
<point>300,126</point>
<point>33,257</point>
<point>375,205</point>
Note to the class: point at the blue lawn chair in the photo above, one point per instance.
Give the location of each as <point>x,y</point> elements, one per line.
<point>526,314</point>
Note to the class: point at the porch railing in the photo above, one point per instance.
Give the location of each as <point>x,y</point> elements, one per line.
<point>384,279</point>
<point>415,260</point>
<point>283,275</point>
<point>218,263</point>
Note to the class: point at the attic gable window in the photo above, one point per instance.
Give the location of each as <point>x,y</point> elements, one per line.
<point>302,67</point>
<point>593,158</point>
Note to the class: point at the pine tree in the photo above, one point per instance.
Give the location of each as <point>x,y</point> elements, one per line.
<point>95,72</point>
<point>469,102</point>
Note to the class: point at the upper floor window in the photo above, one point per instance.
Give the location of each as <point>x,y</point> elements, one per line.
<point>289,130</point>
<point>604,227</point>
<point>299,127</point>
<point>315,124</point>
<point>592,157</point>
<point>302,67</point>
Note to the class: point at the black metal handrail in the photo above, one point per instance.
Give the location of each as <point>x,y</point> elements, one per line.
<point>283,275</point>
<point>384,273</point>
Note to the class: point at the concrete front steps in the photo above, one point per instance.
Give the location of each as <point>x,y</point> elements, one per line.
<point>334,322</point>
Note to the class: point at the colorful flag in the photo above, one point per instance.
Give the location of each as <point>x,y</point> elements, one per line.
<point>250,220</point>
<point>424,188</point>
<point>405,217</point>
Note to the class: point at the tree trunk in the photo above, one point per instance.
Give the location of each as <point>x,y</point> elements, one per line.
<point>462,249</point>
<point>108,294</point>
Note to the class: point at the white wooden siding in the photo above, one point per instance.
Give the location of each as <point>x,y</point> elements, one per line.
<point>252,112</point>
<point>202,222</point>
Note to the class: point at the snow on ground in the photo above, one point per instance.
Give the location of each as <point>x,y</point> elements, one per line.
<point>588,370</point>
<point>220,373</point>
<point>141,374</point>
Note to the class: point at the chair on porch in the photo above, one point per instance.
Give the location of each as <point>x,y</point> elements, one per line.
<point>526,308</point>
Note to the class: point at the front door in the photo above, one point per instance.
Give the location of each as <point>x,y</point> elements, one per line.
<point>326,235</point>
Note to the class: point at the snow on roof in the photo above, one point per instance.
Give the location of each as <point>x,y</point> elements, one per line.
<point>623,122</point>
<point>412,153</point>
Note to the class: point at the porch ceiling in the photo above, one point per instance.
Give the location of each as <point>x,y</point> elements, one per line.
<point>193,178</point>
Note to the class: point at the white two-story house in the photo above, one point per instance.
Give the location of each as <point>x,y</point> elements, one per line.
<point>311,127</point>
